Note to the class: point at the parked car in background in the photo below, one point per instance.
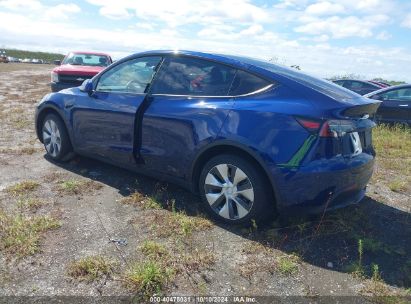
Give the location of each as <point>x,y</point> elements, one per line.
<point>13,59</point>
<point>396,104</point>
<point>380,83</point>
<point>26,60</point>
<point>3,57</point>
<point>358,86</point>
<point>77,67</point>
<point>244,134</point>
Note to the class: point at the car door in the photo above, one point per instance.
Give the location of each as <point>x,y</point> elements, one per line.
<point>188,104</point>
<point>396,105</point>
<point>104,122</point>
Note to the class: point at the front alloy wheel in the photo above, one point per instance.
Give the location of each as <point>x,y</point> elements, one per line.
<point>51,138</point>
<point>55,138</point>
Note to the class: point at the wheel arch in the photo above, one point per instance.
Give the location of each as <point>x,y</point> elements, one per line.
<point>229,147</point>
<point>40,118</point>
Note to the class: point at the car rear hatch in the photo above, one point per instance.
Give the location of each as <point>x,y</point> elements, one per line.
<point>355,130</point>
<point>348,132</point>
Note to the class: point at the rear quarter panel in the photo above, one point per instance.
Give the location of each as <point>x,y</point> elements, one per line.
<point>265,123</point>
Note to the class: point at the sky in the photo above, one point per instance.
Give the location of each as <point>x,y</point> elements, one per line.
<point>369,38</point>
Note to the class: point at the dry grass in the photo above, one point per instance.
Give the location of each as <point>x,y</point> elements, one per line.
<point>381,293</point>
<point>196,259</point>
<point>186,257</point>
<point>148,278</point>
<point>139,199</point>
<point>77,186</point>
<point>168,224</point>
<point>392,141</point>
<point>288,264</point>
<point>30,204</point>
<point>398,185</point>
<point>162,264</point>
<point>22,188</point>
<point>11,67</point>
<point>258,259</point>
<point>20,235</point>
<point>393,148</point>
<point>21,151</point>
<point>154,250</point>
<point>91,268</point>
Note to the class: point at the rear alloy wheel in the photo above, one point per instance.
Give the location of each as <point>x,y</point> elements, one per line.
<point>233,190</point>
<point>55,137</point>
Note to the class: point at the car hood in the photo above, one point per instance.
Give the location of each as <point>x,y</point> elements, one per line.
<point>85,70</point>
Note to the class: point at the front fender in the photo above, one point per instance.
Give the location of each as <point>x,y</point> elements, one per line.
<point>47,107</point>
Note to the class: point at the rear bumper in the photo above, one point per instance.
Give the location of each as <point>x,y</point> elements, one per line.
<point>331,184</point>
<point>58,86</point>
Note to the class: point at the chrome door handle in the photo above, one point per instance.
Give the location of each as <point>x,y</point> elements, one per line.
<point>403,105</point>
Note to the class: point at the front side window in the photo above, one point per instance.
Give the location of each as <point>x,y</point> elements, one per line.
<point>193,77</point>
<point>246,83</point>
<point>86,59</point>
<point>399,94</point>
<point>133,76</point>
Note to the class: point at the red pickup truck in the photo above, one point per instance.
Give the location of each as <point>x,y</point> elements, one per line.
<point>77,67</point>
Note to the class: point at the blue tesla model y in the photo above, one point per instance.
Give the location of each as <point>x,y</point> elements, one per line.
<point>244,134</point>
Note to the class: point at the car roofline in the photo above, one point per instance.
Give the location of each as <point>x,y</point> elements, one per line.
<point>89,53</point>
<point>400,86</point>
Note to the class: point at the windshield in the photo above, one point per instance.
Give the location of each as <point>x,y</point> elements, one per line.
<point>86,59</point>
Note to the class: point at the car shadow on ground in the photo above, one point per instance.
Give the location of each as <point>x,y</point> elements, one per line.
<point>353,239</point>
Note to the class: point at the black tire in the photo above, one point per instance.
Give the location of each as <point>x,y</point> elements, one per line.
<point>260,209</point>
<point>65,150</point>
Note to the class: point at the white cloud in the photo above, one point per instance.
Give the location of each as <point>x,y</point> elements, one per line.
<point>61,11</point>
<point>114,12</point>
<point>225,32</point>
<point>169,33</point>
<point>343,27</point>
<point>407,21</point>
<point>324,8</point>
<point>367,4</point>
<point>254,29</point>
<point>384,35</point>
<point>145,26</point>
<point>179,12</point>
<point>18,5</point>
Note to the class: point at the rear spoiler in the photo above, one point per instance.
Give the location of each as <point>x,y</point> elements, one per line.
<point>363,111</point>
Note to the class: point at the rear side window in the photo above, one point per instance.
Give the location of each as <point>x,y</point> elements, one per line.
<point>194,77</point>
<point>245,83</point>
<point>398,94</point>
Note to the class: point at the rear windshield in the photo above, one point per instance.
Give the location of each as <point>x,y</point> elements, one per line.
<point>323,86</point>
<point>86,59</point>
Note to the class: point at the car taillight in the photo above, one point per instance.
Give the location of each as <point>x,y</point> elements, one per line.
<point>310,125</point>
<point>326,130</point>
<point>322,128</point>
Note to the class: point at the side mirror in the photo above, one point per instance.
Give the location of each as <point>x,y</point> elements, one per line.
<point>57,62</point>
<point>376,97</point>
<point>87,86</point>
